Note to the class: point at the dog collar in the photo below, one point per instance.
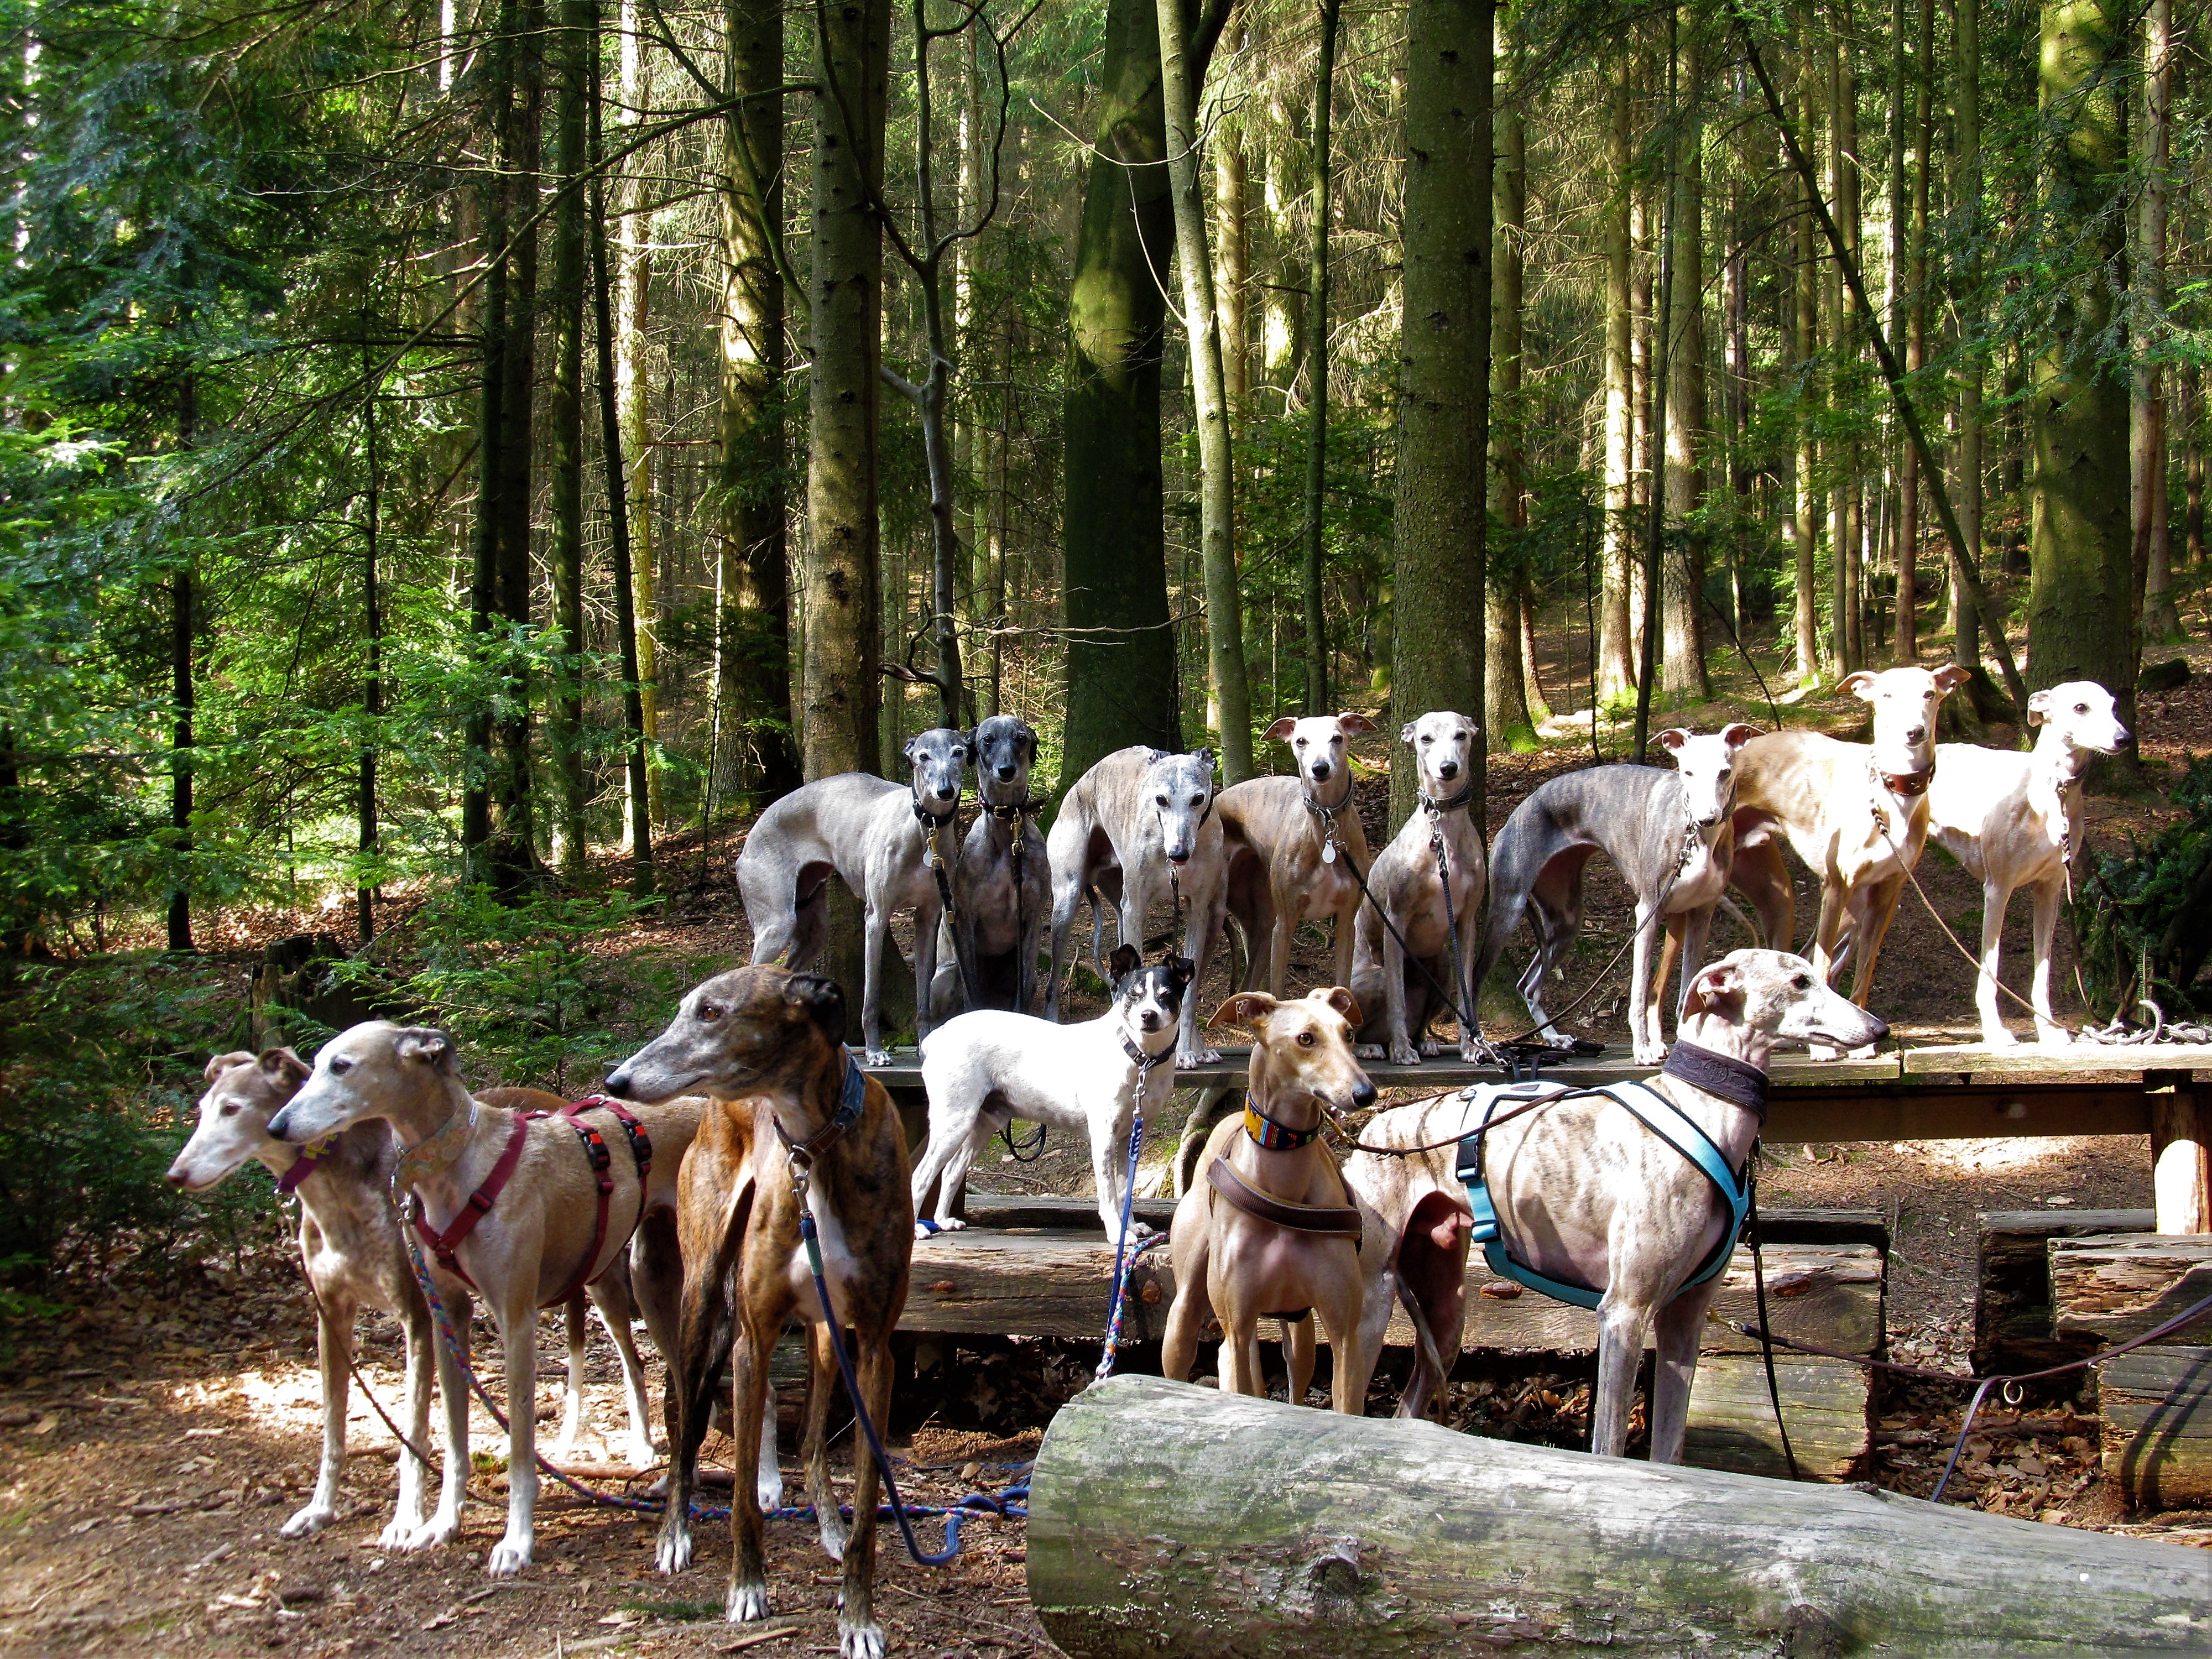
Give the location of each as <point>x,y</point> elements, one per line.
<point>935,820</point>
<point>1906,785</point>
<point>311,1157</point>
<point>1712,1073</point>
<point>1273,1137</point>
<point>1142,1061</point>
<point>1012,813</point>
<point>1436,808</point>
<point>429,1154</point>
<point>851,1095</point>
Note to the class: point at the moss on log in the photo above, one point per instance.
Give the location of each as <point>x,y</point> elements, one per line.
<point>1167,1519</point>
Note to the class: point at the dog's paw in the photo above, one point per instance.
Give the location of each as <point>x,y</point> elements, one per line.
<point>1197,1058</point>
<point>403,1527</point>
<point>2056,1038</point>
<point>439,1530</point>
<point>509,1556</point>
<point>747,1605</point>
<point>310,1520</point>
<point>833,1532</point>
<point>876,1057</point>
<point>767,1490</point>
<point>1367,1051</point>
<point>1405,1053</point>
<point>1138,1230</point>
<point>1821,1051</point>
<point>1651,1054</point>
<point>860,1641</point>
<point>674,1553</point>
<point>1865,1051</point>
<point>930,1229</point>
<point>1429,1048</point>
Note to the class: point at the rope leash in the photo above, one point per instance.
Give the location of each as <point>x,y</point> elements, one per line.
<point>1124,1257</point>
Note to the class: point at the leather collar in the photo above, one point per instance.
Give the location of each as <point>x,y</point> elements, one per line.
<point>1327,1220</point>
<point>1905,785</point>
<point>310,1159</point>
<point>850,1098</point>
<point>1013,811</point>
<point>1710,1073</point>
<point>1142,1061</point>
<point>1436,808</point>
<point>430,1154</point>
<point>1274,1137</point>
<point>934,821</point>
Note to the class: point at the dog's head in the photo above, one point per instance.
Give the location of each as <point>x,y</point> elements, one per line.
<point>1443,750</point>
<point>1180,788</point>
<point>1757,998</point>
<point>2077,716</point>
<point>376,1069</point>
<point>1005,748</point>
<point>1706,766</point>
<point>1149,999</point>
<point>244,1092</point>
<point>751,1030</point>
<point>939,760</point>
<point>1904,700</point>
<point>1302,1046</point>
<point>1320,745</point>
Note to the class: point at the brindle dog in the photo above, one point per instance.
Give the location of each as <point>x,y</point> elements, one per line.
<point>765,1045</point>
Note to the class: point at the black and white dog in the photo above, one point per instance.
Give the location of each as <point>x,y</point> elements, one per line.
<point>991,1065</point>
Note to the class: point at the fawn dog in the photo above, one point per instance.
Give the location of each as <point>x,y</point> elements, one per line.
<point>796,1127</point>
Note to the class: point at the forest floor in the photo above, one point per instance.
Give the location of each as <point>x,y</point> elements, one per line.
<point>154,1436</point>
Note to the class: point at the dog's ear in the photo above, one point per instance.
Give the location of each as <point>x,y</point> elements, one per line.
<point>1180,971</point>
<point>425,1043</point>
<point>222,1063</point>
<point>1124,961</point>
<point>2039,707</point>
<point>1474,727</point>
<point>822,998</point>
<point>1718,986</point>
<point>1671,740</point>
<point>1029,741</point>
<point>285,1065</point>
<point>1281,730</point>
<point>1406,732</point>
<point>1950,678</point>
<point>1357,725</point>
<point>907,750</point>
<point>1204,757</point>
<point>1860,685</point>
<point>1735,734</point>
<point>1248,1008</point>
<point>1342,1001</point>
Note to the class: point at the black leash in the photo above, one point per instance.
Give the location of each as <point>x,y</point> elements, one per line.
<point>1758,1290</point>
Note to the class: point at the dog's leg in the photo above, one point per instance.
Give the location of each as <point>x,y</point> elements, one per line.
<point>822,1383</point>
<point>1468,1014</point>
<point>453,1388</point>
<point>749,1395</point>
<point>1875,913</point>
<point>1187,1314</point>
<point>1996,896</point>
<point>1642,1015</point>
<point>518,1330</point>
<point>334,1353</point>
<point>927,920</point>
<point>1348,1367</point>
<point>1298,1357</point>
<point>1670,950</point>
<point>1622,1326</point>
<point>613,1298</point>
<point>1758,873</point>
<point>954,1139</point>
<point>1401,1049</point>
<point>1109,1172</point>
<point>1066,894</point>
<point>1282,934</point>
<point>576,1321</point>
<point>1674,1367</point>
<point>656,1284</point>
<point>877,935</point>
<point>422,1369</point>
<point>711,1211</point>
<point>858,1636</point>
<point>1203,925</point>
<point>2048,1030</point>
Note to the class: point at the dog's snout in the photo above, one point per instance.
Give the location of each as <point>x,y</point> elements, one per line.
<point>1006,775</point>
<point>1362,1094</point>
<point>1449,769</point>
<point>618,1082</point>
<point>175,1176</point>
<point>1880,1025</point>
<point>1178,855</point>
<point>280,1125</point>
<point>1321,771</point>
<point>1918,734</point>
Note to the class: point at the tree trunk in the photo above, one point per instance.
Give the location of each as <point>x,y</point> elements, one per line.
<point>477,765</point>
<point>1182,74</point>
<point>1847,512</point>
<point>1122,686</point>
<point>1317,373</point>
<point>1916,335</point>
<point>1505,717</point>
<point>2192,384</point>
<point>183,625</point>
<point>1232,213</point>
<point>2152,516</point>
<point>841,693</point>
<point>1443,417</point>
<point>1662,357</point>
<point>371,678</point>
<point>1645,212</point>
<point>1532,680</point>
<point>564,413</point>
<point>632,307</point>
<point>1967,45</point>
<point>1683,677</point>
<point>1811,507</point>
<point>1167,1517</point>
<point>753,589</point>
<point>2080,605</point>
<point>1616,670</point>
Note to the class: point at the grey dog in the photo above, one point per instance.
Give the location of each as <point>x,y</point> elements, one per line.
<point>876,836</point>
<point>1001,885</point>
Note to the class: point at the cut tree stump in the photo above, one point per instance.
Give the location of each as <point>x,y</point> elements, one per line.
<point>2013,1312</point>
<point>1164,1518</point>
<point>1825,1402</point>
<point>2114,1287</point>
<point>2157,1409</point>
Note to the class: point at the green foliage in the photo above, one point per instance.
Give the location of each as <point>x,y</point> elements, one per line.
<point>2144,917</point>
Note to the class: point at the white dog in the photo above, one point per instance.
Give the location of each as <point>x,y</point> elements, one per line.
<point>988,1067</point>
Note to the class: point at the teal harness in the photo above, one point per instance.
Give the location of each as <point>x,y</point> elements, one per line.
<point>1655,1113</point>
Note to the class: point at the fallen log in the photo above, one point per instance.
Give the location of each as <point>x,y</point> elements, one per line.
<point>1166,1518</point>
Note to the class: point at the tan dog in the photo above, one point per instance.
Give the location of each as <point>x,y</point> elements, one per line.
<point>1282,869</point>
<point>766,1045</point>
<point>1855,813</point>
<point>541,1235</point>
<point>1269,1229</point>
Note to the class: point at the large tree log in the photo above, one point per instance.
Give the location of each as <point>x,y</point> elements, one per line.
<point>1164,1517</point>
<point>2012,1302</point>
<point>2115,1287</point>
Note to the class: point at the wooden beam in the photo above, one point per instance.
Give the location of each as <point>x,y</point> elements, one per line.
<point>2156,1403</point>
<point>2181,1170</point>
<point>1823,1400</point>
<point>2116,1286</point>
<point>2012,1310</point>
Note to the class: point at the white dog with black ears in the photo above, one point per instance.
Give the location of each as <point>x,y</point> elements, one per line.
<point>986,1067</point>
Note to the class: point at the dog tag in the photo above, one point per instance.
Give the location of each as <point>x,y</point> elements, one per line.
<point>1328,851</point>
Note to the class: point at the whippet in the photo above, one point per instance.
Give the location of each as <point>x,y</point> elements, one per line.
<point>2014,821</point>
<point>1436,913</point>
<point>891,843</point>
<point>1673,838</point>
<point>507,1205</point>
<point>1596,1195</point>
<point>1138,829</point>
<point>1855,813</point>
<point>1288,840</point>
<point>987,1068</point>
<point>1001,884</point>
<point>795,1126</point>
<point>1272,1231</point>
<point>350,1247</point>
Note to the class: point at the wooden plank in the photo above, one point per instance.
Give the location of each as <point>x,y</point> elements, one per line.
<point>2115,1287</point>
<point>2082,1062</point>
<point>2013,1312</point>
<point>2157,1409</point>
<point>1824,1401</point>
<point>1929,1110</point>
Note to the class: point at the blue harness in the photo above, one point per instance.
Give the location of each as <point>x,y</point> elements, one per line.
<point>1655,1113</point>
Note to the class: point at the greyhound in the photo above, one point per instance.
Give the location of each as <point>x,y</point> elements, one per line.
<point>351,1245</point>
<point>988,1067</point>
<point>1436,914</point>
<point>1272,1231</point>
<point>1672,836</point>
<point>507,1205</point>
<point>1001,884</point>
<point>2014,821</point>
<point>1588,1193</point>
<point>891,844</point>
<point>1855,813</point>
<point>796,1128</point>
<point>1136,829</point>
<point>1289,842</point>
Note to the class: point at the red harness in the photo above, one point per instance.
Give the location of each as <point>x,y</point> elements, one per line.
<point>443,1245</point>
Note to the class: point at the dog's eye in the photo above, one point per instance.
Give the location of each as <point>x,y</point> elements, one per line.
<point>1198,800</point>
<point>1164,800</point>
<point>708,1010</point>
<point>1305,1039</point>
<point>341,1065</point>
<point>2081,707</point>
<point>1803,982</point>
<point>230,1109</point>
